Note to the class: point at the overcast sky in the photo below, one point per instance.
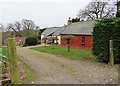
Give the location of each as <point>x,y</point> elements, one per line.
<point>45,13</point>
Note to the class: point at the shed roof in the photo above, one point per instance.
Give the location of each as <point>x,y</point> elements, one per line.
<point>83,28</point>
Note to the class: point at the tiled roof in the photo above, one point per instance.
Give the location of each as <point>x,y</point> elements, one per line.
<point>83,28</point>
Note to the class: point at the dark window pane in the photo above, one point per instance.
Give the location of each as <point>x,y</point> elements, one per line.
<point>83,40</point>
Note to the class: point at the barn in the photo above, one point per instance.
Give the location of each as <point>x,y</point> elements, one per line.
<point>82,31</point>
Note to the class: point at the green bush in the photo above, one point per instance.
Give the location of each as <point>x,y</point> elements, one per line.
<point>25,45</point>
<point>39,42</point>
<point>31,41</point>
<point>104,30</point>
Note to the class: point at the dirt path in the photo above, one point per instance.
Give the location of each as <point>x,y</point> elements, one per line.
<point>53,69</point>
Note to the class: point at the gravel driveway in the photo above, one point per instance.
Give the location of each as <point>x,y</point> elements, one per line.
<point>53,69</point>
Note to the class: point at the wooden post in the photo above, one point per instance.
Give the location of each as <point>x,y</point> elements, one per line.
<point>111,53</point>
<point>13,61</point>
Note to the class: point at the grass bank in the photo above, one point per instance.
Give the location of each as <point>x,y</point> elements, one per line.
<point>79,54</point>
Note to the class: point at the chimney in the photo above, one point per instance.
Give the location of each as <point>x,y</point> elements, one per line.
<point>69,21</point>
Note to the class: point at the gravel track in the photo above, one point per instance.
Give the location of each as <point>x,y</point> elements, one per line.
<point>53,69</point>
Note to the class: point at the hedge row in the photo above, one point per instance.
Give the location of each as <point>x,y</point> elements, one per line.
<point>104,30</point>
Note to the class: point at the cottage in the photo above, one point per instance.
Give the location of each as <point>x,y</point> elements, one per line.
<point>82,31</point>
<point>53,32</point>
<point>20,40</point>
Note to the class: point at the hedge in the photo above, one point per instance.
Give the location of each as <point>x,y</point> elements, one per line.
<point>104,30</point>
<point>31,41</point>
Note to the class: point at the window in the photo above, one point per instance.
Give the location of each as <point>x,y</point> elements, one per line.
<point>83,41</point>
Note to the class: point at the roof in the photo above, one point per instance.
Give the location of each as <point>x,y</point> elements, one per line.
<point>80,28</point>
<point>18,39</point>
<point>53,31</point>
<point>58,31</point>
<point>49,31</point>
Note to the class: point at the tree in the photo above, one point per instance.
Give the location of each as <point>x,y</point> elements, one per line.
<point>75,20</point>
<point>24,28</point>
<point>68,38</point>
<point>96,10</point>
<point>29,27</point>
<point>16,28</point>
<point>4,32</point>
<point>39,33</point>
<point>118,9</point>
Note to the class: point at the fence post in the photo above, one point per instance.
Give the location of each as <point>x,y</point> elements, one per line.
<point>111,53</point>
<point>13,61</point>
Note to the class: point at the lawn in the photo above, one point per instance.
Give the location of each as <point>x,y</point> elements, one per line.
<point>19,45</point>
<point>79,54</point>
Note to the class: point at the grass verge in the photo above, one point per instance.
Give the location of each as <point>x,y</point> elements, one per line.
<point>31,76</point>
<point>78,54</point>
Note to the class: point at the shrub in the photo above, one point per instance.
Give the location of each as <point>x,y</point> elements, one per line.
<point>39,42</point>
<point>31,41</point>
<point>25,45</point>
<point>104,30</point>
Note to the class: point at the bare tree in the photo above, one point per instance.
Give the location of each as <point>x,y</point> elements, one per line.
<point>16,28</point>
<point>24,28</point>
<point>1,28</point>
<point>29,27</point>
<point>96,10</point>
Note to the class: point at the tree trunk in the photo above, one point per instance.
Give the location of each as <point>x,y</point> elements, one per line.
<point>111,53</point>
<point>68,47</point>
<point>45,43</point>
<point>53,45</point>
<point>13,60</point>
<point>117,6</point>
